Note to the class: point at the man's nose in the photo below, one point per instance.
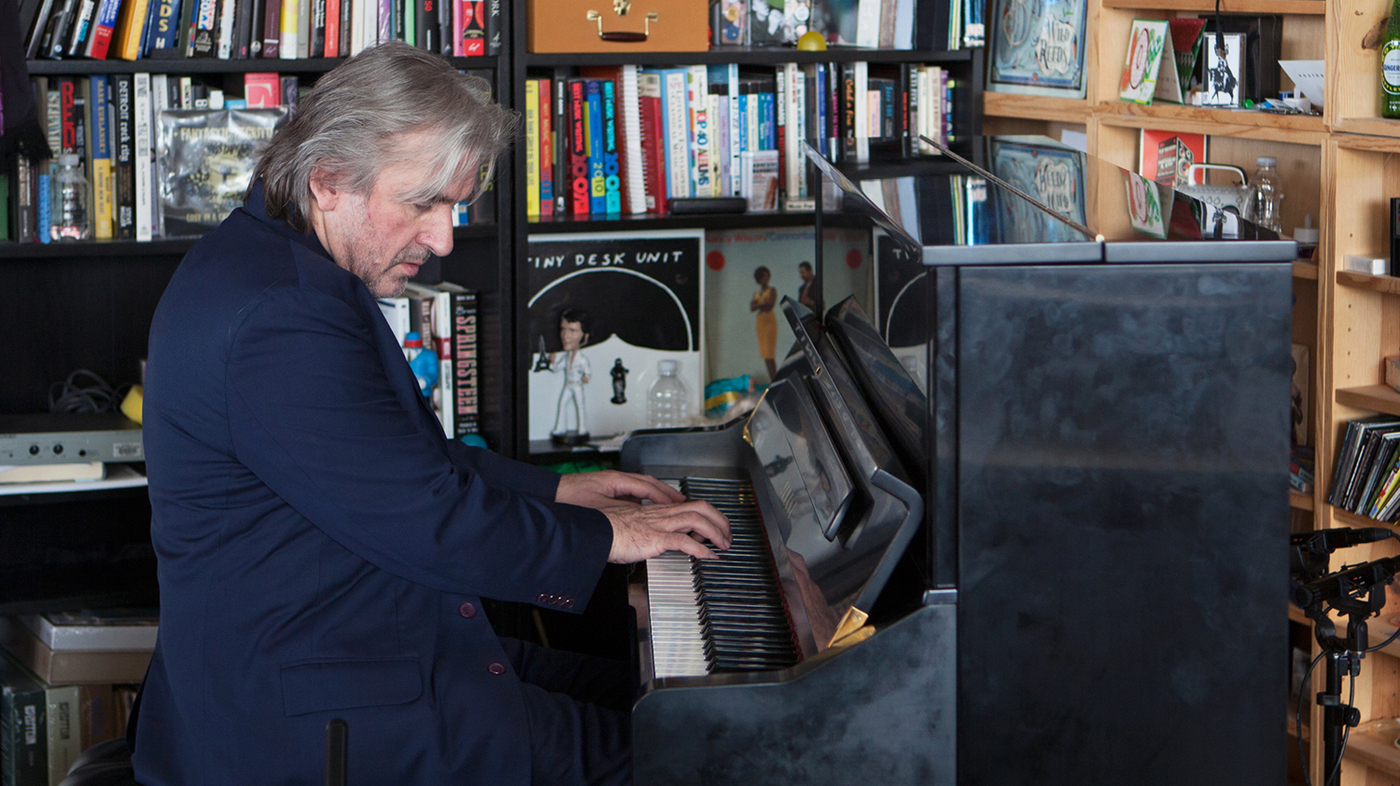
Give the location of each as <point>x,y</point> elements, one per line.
<point>436,234</point>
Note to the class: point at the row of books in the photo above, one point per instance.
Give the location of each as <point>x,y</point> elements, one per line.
<point>444,315</point>
<point>245,29</point>
<point>883,24</point>
<point>67,682</point>
<point>163,155</point>
<point>625,139</point>
<point>1366,478</point>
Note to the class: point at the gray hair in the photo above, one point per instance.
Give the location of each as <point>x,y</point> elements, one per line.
<point>347,126</point>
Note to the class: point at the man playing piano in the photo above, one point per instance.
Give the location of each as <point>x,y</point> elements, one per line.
<point>323,549</point>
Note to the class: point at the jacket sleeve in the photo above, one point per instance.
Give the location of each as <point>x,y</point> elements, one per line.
<point>315,416</point>
<point>501,471</point>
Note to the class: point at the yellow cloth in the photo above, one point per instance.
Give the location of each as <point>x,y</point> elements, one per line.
<point>766,325</point>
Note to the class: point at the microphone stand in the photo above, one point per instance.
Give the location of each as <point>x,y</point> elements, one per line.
<point>1358,593</point>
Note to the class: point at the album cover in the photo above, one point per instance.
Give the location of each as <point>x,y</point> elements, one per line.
<point>1037,47</point>
<point>204,160</point>
<point>603,311</point>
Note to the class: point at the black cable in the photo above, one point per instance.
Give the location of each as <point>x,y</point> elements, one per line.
<point>1298,719</point>
<point>69,396</point>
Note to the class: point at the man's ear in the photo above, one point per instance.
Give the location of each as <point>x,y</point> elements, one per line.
<point>324,190</point>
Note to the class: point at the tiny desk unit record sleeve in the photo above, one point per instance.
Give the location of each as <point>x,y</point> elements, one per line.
<point>603,312</point>
<point>1037,47</point>
<point>204,162</point>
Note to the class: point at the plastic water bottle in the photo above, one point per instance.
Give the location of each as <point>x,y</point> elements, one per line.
<point>668,404</point>
<point>1265,194</point>
<point>68,200</point>
<point>423,362</point>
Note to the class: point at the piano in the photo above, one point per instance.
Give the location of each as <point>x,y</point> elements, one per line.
<point>1016,518</point>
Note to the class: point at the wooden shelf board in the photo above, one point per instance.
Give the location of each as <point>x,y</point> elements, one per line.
<point>1347,518</point>
<point>1381,398</point>
<point>1305,269</point>
<point>1315,7</point>
<point>1295,129</point>
<point>1300,501</point>
<point>1369,126</point>
<point>1372,752</point>
<point>1389,285</point>
<point>1062,110</point>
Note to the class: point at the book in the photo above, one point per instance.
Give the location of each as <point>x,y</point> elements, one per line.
<point>463,351</point>
<point>142,158</point>
<point>612,181</point>
<point>104,23</point>
<point>271,28</point>
<point>675,129</point>
<point>759,170</point>
<point>61,708</point>
<point>43,473</point>
<point>593,128</point>
<point>124,157</point>
<point>126,36</point>
<point>471,25</point>
<point>24,738</point>
<point>545,107</point>
<point>289,31</point>
<point>71,667</point>
<point>580,203</point>
<point>651,141</point>
<point>226,18</point>
<point>262,90</point>
<point>165,32</point>
<point>36,14</point>
<point>697,84</point>
<point>533,147</point>
<point>102,629</point>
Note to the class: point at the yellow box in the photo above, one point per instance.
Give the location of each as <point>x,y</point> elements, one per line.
<point>618,26</point>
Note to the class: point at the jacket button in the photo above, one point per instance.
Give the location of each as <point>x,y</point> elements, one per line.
<point>542,598</point>
<point>496,668</point>
<point>467,610</point>
<point>568,603</point>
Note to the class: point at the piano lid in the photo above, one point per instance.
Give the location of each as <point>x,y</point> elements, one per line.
<point>1038,201</point>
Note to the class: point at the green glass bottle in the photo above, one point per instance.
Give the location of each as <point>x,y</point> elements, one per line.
<point>1390,65</point>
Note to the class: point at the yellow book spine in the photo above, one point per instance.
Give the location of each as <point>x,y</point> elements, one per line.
<point>131,21</point>
<point>291,22</point>
<point>102,205</point>
<point>532,148</point>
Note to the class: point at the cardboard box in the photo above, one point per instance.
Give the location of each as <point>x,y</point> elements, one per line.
<point>564,25</point>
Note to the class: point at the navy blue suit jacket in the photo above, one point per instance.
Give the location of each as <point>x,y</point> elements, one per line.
<point>322,547</point>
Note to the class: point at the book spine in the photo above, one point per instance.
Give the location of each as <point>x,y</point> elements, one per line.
<point>563,175</point>
<point>126,37</point>
<point>428,31</point>
<point>398,19</point>
<point>593,126</point>
<point>330,45</point>
<point>42,224</point>
<point>124,177</point>
<point>473,28</point>
<point>62,718</point>
<point>735,127</point>
<point>532,148</point>
<point>612,181</point>
<point>545,108</point>
<point>629,113</point>
<point>494,27</point>
<point>224,39</point>
<point>442,346</point>
<point>578,147</point>
<point>23,736</point>
<point>291,22</point>
<point>316,46</point>
<point>36,28</point>
<point>141,121</point>
<point>101,158</point>
<point>165,33</point>
<point>271,28</point>
<point>651,140</point>
<point>862,114</point>
<point>26,211</point>
<point>676,118</point>
<point>303,29</point>
<point>697,92</point>
<point>465,372</point>
<point>78,30</point>
<point>780,127</point>
<point>345,30</point>
<point>104,23</point>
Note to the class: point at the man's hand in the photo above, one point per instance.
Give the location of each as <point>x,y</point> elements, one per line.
<point>600,489</point>
<point>643,531</point>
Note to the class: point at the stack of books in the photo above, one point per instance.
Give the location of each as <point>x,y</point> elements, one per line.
<point>67,681</point>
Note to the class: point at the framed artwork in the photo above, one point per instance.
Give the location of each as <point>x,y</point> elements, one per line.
<point>1223,84</point>
<point>603,311</point>
<point>1036,47</point>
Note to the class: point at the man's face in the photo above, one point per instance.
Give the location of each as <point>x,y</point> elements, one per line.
<point>571,335</point>
<point>806,273</point>
<point>382,236</point>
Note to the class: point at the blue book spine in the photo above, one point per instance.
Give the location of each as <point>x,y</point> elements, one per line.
<point>165,27</point>
<point>743,126</point>
<point>597,166</point>
<point>43,226</point>
<point>612,182</point>
<point>767,139</point>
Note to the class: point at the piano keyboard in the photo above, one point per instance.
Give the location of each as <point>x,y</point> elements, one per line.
<point>725,614</point>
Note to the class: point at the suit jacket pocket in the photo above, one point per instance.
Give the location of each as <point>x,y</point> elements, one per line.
<point>342,684</point>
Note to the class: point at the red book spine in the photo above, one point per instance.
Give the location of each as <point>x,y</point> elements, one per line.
<point>332,47</point>
<point>578,148</point>
<point>546,148</point>
<point>272,28</point>
<point>653,154</point>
